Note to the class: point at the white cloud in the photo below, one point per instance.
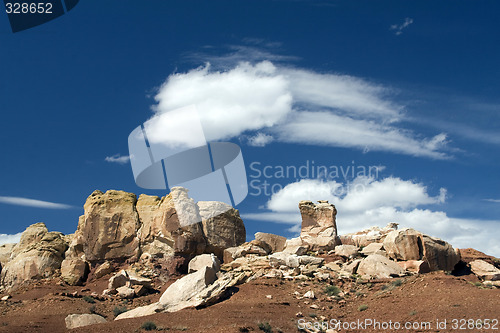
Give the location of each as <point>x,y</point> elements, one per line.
<point>260,140</point>
<point>18,201</point>
<point>398,28</point>
<point>293,105</point>
<point>117,158</point>
<point>492,200</point>
<point>368,202</point>
<point>7,239</point>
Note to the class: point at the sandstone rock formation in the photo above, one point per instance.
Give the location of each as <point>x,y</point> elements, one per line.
<point>108,228</point>
<point>38,254</point>
<point>379,266</point>
<point>223,230</point>
<point>319,228</point>
<point>74,271</point>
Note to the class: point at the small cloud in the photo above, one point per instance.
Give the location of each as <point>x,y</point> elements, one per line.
<point>398,28</point>
<point>7,239</point>
<point>260,140</point>
<point>18,201</point>
<point>117,158</point>
<point>492,200</point>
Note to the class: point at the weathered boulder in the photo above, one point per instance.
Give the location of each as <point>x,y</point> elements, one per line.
<point>108,228</point>
<point>348,251</point>
<point>484,270</point>
<point>319,228</point>
<point>38,254</point>
<point>129,279</point>
<point>125,292</point>
<point>204,260</point>
<point>179,294</point>
<point>368,236</point>
<point>222,226</point>
<point>253,247</point>
<point>275,242</point>
<point>296,246</point>
<point>404,244</point>
<point>74,271</point>
<point>439,254</point>
<point>103,269</point>
<point>377,266</point>
<point>79,320</point>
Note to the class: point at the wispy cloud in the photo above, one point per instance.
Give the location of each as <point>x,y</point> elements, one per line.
<point>398,28</point>
<point>6,239</point>
<point>117,158</point>
<point>492,200</point>
<point>18,201</point>
<point>268,101</point>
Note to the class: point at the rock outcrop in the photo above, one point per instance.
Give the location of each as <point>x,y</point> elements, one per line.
<point>484,270</point>
<point>108,228</point>
<point>275,242</point>
<point>223,230</point>
<point>319,227</point>
<point>38,254</point>
<point>377,266</point>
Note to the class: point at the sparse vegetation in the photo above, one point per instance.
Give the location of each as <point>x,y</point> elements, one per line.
<point>119,310</point>
<point>413,312</point>
<point>313,315</point>
<point>148,326</point>
<point>92,309</point>
<point>265,327</point>
<point>397,283</point>
<point>363,307</point>
<point>332,290</point>
<point>89,299</point>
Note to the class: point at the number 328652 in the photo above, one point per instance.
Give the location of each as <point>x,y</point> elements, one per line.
<point>28,8</point>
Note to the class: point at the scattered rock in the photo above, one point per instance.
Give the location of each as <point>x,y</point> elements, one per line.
<point>79,320</point>
<point>125,292</point>
<point>484,270</point>
<point>104,269</point>
<point>309,294</point>
<point>4,298</point>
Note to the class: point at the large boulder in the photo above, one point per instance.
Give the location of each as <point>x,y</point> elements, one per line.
<point>371,235</point>
<point>319,228</point>
<point>485,270</point>
<point>408,244</point>
<point>378,266</point>
<point>404,244</point>
<point>439,254</point>
<point>222,226</point>
<point>108,228</point>
<point>178,295</point>
<point>164,231</point>
<point>275,242</point>
<point>74,271</point>
<point>79,320</point>
<point>38,254</point>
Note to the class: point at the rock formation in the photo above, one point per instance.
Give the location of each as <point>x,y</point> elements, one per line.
<point>319,227</point>
<point>38,254</point>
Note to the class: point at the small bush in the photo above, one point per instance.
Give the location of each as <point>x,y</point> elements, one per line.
<point>265,327</point>
<point>332,290</point>
<point>119,310</point>
<point>313,315</point>
<point>397,283</point>
<point>412,313</point>
<point>148,326</point>
<point>92,309</point>
<point>363,307</point>
<point>89,299</point>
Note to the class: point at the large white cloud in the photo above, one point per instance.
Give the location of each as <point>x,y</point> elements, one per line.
<point>274,103</point>
<point>368,202</point>
<point>7,239</point>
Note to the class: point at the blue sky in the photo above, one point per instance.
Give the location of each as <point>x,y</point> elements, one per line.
<point>410,87</point>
